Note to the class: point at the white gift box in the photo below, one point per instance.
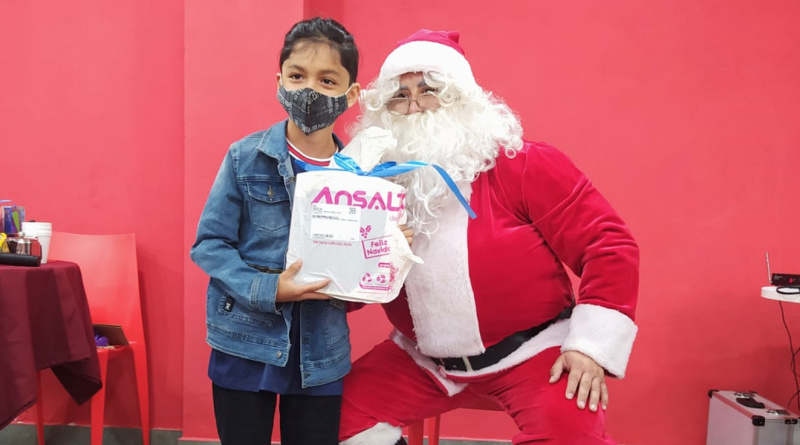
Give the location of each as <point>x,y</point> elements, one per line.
<point>345,228</point>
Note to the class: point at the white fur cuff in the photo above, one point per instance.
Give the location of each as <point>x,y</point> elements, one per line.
<point>603,334</point>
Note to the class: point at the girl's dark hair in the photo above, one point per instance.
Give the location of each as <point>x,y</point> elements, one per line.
<point>328,31</point>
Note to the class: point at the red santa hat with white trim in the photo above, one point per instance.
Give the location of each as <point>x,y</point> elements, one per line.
<point>424,51</point>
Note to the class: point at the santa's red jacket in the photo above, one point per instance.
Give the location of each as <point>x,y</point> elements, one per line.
<point>502,272</point>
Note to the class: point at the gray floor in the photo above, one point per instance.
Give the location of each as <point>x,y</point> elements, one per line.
<point>23,434</point>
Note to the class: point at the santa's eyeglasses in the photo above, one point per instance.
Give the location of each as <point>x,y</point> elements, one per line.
<point>400,105</point>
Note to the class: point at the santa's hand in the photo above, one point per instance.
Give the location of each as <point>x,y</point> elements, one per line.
<point>409,233</point>
<point>289,290</point>
<point>585,376</point>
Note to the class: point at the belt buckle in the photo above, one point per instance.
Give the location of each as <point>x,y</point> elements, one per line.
<point>453,367</point>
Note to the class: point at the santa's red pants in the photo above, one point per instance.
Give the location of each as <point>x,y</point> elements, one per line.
<point>386,385</point>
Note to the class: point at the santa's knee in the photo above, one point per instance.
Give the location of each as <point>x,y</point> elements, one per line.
<point>569,413</point>
<point>379,434</point>
<point>567,423</point>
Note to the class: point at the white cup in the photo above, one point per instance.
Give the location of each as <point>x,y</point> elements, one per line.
<point>42,231</point>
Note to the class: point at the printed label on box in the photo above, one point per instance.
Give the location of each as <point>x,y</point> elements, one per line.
<point>335,222</point>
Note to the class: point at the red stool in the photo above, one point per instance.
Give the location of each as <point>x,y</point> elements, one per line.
<point>111,278</point>
<point>416,429</point>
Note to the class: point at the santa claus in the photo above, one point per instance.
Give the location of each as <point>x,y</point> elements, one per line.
<point>491,313</point>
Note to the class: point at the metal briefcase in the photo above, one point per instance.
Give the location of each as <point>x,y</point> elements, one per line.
<point>745,418</point>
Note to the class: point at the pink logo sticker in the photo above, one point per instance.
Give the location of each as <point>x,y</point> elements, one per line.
<point>376,247</point>
<point>382,279</point>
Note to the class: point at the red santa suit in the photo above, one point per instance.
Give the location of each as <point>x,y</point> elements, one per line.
<point>487,278</point>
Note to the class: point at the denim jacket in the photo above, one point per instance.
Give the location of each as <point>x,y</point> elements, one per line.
<point>242,238</point>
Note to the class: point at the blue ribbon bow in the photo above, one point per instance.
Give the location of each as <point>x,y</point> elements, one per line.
<point>390,169</point>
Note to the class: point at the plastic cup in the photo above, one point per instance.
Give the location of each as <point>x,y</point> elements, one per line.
<point>42,231</point>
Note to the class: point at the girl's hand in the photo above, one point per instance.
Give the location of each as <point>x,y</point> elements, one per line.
<point>288,290</point>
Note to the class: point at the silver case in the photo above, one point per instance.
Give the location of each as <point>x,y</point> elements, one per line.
<point>731,423</point>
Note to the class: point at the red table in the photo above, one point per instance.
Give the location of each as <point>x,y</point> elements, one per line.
<point>44,323</point>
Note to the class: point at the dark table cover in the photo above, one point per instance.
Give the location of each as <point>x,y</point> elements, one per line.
<point>44,323</point>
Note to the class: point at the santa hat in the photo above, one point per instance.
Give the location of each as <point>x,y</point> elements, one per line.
<point>426,50</point>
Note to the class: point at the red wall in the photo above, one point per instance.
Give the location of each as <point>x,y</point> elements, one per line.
<point>91,136</point>
<point>684,113</point>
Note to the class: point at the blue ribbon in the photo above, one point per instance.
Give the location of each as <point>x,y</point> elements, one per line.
<point>389,169</point>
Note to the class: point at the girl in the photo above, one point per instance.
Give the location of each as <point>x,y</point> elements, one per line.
<point>269,335</point>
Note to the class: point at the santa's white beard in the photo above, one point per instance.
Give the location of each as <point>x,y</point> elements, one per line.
<point>443,138</point>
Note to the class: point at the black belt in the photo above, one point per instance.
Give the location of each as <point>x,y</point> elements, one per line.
<point>501,349</point>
